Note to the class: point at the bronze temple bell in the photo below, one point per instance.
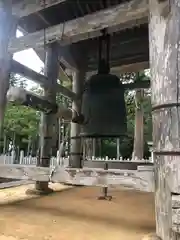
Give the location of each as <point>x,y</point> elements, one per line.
<point>103,103</point>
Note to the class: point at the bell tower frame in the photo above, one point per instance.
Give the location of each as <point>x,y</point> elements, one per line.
<point>164,59</point>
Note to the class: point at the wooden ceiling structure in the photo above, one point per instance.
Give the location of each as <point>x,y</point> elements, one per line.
<point>77,24</point>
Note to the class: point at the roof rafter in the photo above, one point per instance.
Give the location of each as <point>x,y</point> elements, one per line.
<point>25,7</point>
<point>124,15</point>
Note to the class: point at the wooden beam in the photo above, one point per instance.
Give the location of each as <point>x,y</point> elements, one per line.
<point>124,15</point>
<point>16,183</point>
<point>24,71</point>
<point>137,85</point>
<point>20,69</point>
<point>135,67</point>
<point>63,75</point>
<point>126,60</point>
<point>130,165</point>
<point>124,49</point>
<point>24,8</point>
<point>20,96</point>
<point>139,180</point>
<point>23,172</point>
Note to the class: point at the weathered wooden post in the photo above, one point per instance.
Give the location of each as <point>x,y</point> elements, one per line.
<point>164,39</point>
<point>7,30</point>
<point>47,120</point>
<point>75,150</point>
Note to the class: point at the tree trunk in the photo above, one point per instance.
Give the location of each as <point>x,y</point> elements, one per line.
<point>118,148</point>
<point>138,150</point>
<point>29,147</point>
<point>164,39</point>
<point>93,147</point>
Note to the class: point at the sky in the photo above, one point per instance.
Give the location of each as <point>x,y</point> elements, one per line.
<point>30,59</point>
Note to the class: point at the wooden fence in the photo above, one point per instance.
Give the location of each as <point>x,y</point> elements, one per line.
<point>6,159</point>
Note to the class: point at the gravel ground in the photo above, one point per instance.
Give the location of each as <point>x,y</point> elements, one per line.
<point>75,214</point>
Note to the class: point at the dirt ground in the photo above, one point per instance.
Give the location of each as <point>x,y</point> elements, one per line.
<point>75,214</point>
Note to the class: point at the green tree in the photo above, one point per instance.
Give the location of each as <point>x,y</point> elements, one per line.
<point>20,123</point>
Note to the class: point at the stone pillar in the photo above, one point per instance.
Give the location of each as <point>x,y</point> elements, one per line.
<point>75,149</point>
<point>8,26</point>
<point>164,40</point>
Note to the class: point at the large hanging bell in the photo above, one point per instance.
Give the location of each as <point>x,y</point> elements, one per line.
<point>103,107</point>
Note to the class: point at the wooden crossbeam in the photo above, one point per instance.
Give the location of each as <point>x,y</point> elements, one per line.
<point>124,15</point>
<point>135,67</point>
<point>25,7</point>
<point>137,85</point>
<point>139,180</point>
<point>20,69</point>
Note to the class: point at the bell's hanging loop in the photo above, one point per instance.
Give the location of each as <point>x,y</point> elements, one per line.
<point>104,47</point>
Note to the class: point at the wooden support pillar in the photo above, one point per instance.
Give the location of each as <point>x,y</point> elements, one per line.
<point>48,120</point>
<point>7,31</point>
<point>164,39</point>
<point>75,150</point>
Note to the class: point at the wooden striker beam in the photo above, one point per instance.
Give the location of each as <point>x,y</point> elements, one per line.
<point>7,30</point>
<point>20,96</point>
<point>124,15</point>
<point>164,35</point>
